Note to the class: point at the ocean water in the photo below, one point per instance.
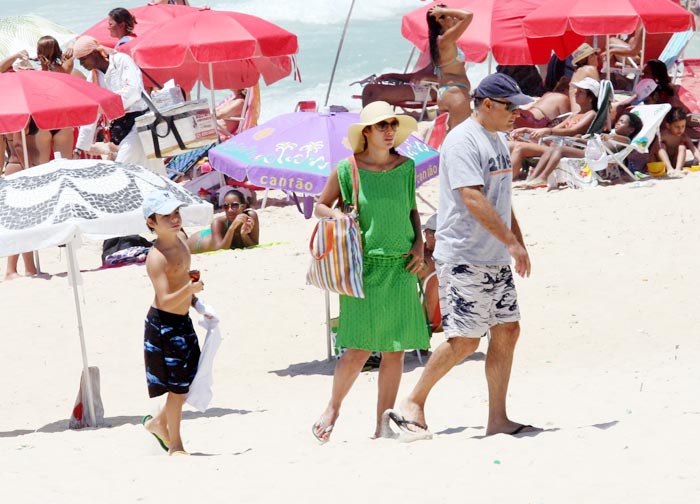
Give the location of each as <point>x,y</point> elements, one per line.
<point>373,43</point>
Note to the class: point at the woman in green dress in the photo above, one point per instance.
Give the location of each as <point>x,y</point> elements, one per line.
<point>389,319</point>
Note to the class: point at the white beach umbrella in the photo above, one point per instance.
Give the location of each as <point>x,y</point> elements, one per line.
<point>64,200</point>
<point>23,32</point>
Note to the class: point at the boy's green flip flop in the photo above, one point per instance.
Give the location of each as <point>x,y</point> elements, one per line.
<point>163,443</point>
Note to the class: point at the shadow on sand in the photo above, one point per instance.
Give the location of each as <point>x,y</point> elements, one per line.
<point>326,367</point>
<point>62,425</point>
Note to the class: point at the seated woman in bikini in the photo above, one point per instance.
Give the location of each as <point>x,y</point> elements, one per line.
<point>576,124</point>
<point>547,108</point>
<point>239,227</point>
<point>445,26</point>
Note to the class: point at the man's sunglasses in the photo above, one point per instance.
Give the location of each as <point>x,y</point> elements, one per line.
<point>510,106</point>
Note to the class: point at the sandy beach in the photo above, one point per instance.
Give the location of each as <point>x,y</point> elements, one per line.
<point>606,364</point>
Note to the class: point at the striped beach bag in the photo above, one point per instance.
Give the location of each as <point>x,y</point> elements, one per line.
<point>336,251</point>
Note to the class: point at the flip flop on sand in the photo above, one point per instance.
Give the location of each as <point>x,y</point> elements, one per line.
<point>403,424</point>
<point>325,429</point>
<point>521,430</point>
<point>162,442</point>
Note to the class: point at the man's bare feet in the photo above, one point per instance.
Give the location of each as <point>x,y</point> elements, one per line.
<point>383,430</point>
<point>12,276</point>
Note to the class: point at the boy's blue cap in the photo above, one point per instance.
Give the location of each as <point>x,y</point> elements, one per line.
<point>160,202</point>
<point>501,86</point>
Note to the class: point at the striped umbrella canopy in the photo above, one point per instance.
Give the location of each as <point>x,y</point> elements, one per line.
<point>19,33</point>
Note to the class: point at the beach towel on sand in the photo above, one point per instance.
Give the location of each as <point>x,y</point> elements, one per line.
<point>200,393</point>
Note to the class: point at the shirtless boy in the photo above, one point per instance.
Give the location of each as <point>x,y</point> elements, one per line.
<point>674,142</point>
<point>171,349</point>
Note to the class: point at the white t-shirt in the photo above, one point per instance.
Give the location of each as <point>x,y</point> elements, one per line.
<point>472,156</point>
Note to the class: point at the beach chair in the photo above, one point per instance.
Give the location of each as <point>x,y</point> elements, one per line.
<point>438,131</point>
<point>689,86</point>
<point>673,52</point>
<point>573,172</point>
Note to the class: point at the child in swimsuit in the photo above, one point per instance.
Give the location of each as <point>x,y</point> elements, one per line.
<point>674,143</point>
<point>239,227</point>
<point>171,348</point>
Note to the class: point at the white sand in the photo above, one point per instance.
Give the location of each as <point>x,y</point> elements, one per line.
<point>607,364</point>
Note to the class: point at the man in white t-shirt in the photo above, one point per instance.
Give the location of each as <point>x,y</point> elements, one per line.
<point>118,73</point>
<point>476,237</point>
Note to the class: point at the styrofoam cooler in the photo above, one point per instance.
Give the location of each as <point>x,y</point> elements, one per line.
<point>192,120</point>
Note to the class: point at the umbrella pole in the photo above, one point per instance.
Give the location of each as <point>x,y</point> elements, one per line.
<point>337,54</point>
<point>607,55</point>
<point>328,324</point>
<point>490,61</point>
<point>25,153</point>
<point>73,272</point>
<point>211,94</point>
<point>410,57</point>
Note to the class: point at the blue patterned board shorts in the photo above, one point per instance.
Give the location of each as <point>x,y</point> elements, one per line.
<point>171,352</point>
<point>475,298</point>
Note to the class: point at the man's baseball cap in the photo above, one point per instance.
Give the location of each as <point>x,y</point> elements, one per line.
<point>501,86</point>
<point>160,202</point>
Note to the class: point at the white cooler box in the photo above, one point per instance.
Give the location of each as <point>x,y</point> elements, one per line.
<point>177,129</point>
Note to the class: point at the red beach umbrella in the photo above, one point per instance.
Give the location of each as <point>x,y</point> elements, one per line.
<point>146,16</point>
<point>54,100</point>
<point>606,17</point>
<point>230,47</point>
<point>497,27</point>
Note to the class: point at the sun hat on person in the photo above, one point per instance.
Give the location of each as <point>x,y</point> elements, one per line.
<point>431,223</point>
<point>590,84</point>
<point>501,86</point>
<point>644,88</point>
<point>161,203</point>
<point>582,52</point>
<point>374,113</point>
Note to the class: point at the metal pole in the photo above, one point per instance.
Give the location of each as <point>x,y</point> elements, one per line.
<point>25,152</point>
<point>607,54</point>
<point>73,272</point>
<point>337,54</point>
<point>410,57</point>
<point>211,94</point>
<point>328,325</point>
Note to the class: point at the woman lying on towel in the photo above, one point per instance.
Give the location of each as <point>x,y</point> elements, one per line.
<point>238,227</point>
<point>626,128</point>
<point>523,144</point>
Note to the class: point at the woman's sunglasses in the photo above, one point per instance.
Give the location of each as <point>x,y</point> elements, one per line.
<point>383,125</point>
<point>226,206</point>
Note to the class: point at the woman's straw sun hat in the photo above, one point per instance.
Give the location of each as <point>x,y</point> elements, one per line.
<point>374,113</point>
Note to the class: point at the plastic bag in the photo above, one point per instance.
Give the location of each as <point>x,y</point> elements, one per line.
<point>595,155</point>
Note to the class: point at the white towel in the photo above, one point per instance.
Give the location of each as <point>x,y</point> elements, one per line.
<point>200,393</point>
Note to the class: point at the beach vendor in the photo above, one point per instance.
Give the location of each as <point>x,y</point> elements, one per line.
<point>389,319</point>
<point>477,235</point>
<point>118,73</point>
<point>171,348</point>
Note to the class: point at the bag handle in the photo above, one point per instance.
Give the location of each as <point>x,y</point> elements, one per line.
<point>355,174</point>
<point>329,239</point>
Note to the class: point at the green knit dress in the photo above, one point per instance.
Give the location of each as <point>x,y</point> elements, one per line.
<point>390,318</point>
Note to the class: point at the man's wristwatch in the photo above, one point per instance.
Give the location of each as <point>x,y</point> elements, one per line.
<point>77,152</point>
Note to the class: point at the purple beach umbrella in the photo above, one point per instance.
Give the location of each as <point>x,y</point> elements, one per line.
<point>297,151</point>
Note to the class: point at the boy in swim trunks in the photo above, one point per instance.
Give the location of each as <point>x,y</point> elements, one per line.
<point>171,349</point>
<point>673,143</point>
